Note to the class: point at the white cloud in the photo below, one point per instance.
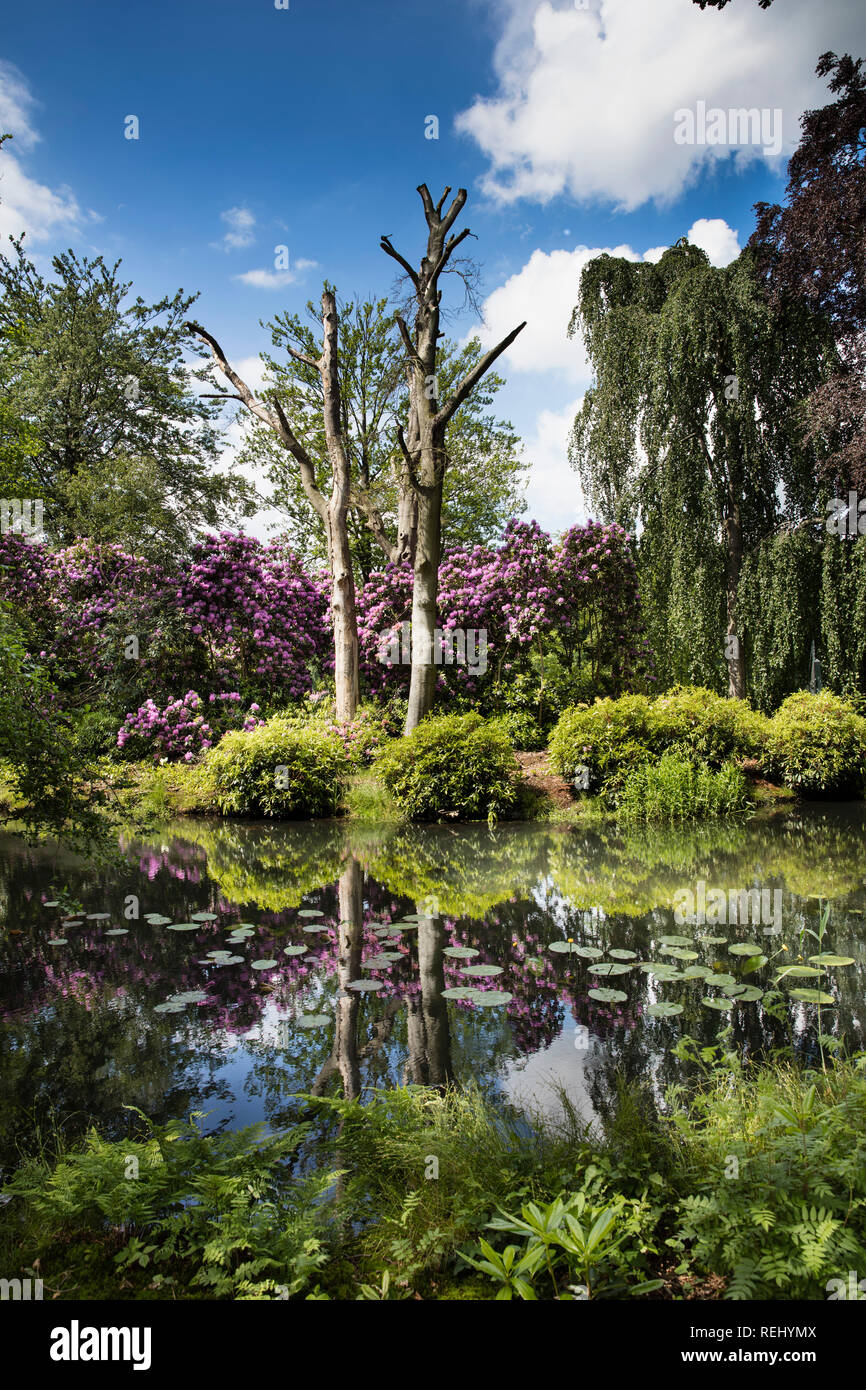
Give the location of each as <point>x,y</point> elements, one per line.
<point>714,236</point>
<point>586,98</point>
<point>554,496</point>
<point>16,105</point>
<point>545,290</point>
<point>27,206</point>
<point>240,223</point>
<point>275,279</point>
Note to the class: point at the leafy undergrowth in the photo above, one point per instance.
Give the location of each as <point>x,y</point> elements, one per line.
<point>750,1184</point>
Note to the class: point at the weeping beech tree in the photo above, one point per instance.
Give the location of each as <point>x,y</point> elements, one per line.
<point>690,431</point>
<point>334,509</point>
<point>422,442</point>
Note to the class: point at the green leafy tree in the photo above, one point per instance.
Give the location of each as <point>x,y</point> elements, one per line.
<point>99,408</point>
<point>482,484</point>
<point>690,431</point>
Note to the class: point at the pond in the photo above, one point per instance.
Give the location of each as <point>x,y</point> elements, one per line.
<point>223,967</point>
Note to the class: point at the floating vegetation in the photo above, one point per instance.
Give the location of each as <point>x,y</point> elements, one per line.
<point>608,996</point>
<point>610,968</point>
<point>156,919</point>
<point>827,958</point>
<point>712,940</point>
<point>376,963</point>
<point>663,1010</point>
<point>459,992</point>
<point>362,985</point>
<point>461,952</point>
<point>263,964</point>
<point>619,953</point>
<point>116,931</point>
<point>314,928</point>
<point>491,998</point>
<point>58,941</point>
<point>482,970</point>
<point>589,952</point>
<point>718,1003</point>
<point>745,948</point>
<point>679,953</point>
<point>749,994</point>
<point>812,996</point>
<point>185,926</point>
<point>203,916</point>
<point>310,912</point>
<point>568,947</point>
<point>720,979</point>
<point>295,950</point>
<point>98,916</point>
<point>314,1020</point>
<point>676,940</point>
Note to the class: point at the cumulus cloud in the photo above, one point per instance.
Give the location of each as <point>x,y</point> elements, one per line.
<point>545,290</point>
<point>586,98</point>
<point>553,494</point>
<point>276,279</point>
<point>16,107</point>
<point>27,206</point>
<point>240,223</point>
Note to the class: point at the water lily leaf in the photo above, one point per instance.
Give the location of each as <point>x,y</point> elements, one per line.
<point>713,940</point>
<point>827,958</point>
<point>482,970</point>
<point>59,941</point>
<point>734,990</point>
<point>461,952</point>
<point>184,926</point>
<point>675,940</point>
<point>98,916</point>
<point>606,968</point>
<point>697,972</point>
<point>117,931</point>
<point>721,1004</point>
<point>412,917</point>
<point>750,994</point>
<point>53,903</point>
<point>230,960</point>
<point>376,963</point>
<point>754,963</point>
<point>458,993</point>
<point>669,975</point>
<point>361,985</point>
<point>588,952</point>
<point>316,929</point>
<point>608,996</point>
<point>567,948</point>
<point>203,916</point>
<point>619,954</point>
<point>295,950</point>
<point>392,956</point>
<point>800,972</point>
<point>310,912</point>
<point>720,979</point>
<point>745,948</point>
<point>263,964</point>
<point>314,1020</point>
<point>664,1010</point>
<point>490,998</point>
<point>680,953</point>
<point>813,996</point>
<point>168,1008</point>
<point>156,919</point>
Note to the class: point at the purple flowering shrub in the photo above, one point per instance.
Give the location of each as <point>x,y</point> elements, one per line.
<point>180,731</point>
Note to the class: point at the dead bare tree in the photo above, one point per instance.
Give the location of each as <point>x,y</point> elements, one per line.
<point>333,510</point>
<point>422,443</point>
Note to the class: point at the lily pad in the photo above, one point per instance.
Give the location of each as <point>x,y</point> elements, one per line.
<point>263,964</point>
<point>313,928</point>
<point>314,1020</point>
<point>230,960</point>
<point>607,968</point>
<point>58,941</point>
<point>168,1008</point>
<point>490,998</point>
<point>376,963</point>
<point>721,1004</point>
<point>588,952</point>
<point>719,978</point>
<point>664,1010</point>
<point>697,972</point>
<point>458,993</point>
<point>117,931</point>
<point>482,970</point>
<point>53,903</point>
<point>827,958</point>
<point>712,940</point>
<point>675,940</point>
<point>680,953</point>
<point>310,912</point>
<point>98,916</point>
<point>156,919</point>
<point>619,954</point>
<point>800,972</point>
<point>750,994</point>
<point>184,926</point>
<point>460,952</point>
<point>362,985</point>
<point>294,950</point>
<point>203,916</point>
<point>745,948</point>
<point>565,948</point>
<point>813,996</point>
<point>608,996</point>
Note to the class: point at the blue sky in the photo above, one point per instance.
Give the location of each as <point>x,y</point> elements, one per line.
<point>305,127</point>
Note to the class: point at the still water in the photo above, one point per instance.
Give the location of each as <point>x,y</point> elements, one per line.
<point>224,967</point>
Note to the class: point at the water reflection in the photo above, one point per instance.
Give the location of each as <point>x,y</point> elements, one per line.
<point>80,1036</point>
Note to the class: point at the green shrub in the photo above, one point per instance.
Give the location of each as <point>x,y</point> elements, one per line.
<point>282,768</point>
<point>694,722</point>
<point>453,765</point>
<point>523,730</point>
<point>96,733</point>
<point>607,737</point>
<point>675,788</point>
<point>817,743</point>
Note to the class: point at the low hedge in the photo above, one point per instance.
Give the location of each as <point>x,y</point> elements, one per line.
<point>816,744</point>
<point>454,765</point>
<point>282,768</point>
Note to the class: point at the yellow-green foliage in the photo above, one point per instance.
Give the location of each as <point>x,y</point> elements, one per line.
<point>278,769</point>
<point>817,743</point>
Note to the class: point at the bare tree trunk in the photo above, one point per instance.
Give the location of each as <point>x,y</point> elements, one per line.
<point>333,511</point>
<point>423,443</point>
